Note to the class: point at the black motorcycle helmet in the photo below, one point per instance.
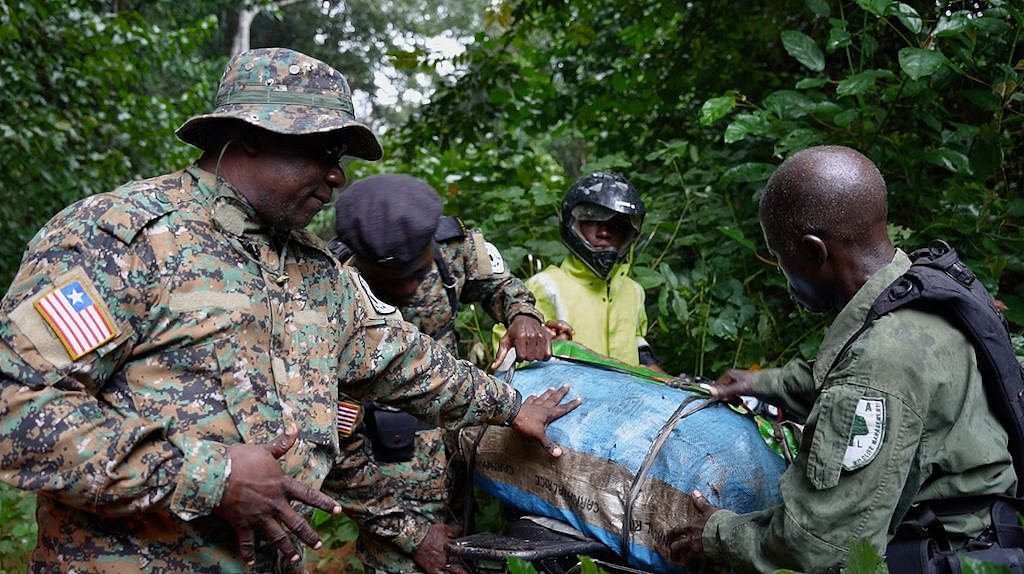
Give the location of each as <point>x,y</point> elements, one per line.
<point>600,196</point>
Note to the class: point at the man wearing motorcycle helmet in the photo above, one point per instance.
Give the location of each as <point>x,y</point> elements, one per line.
<point>591,290</point>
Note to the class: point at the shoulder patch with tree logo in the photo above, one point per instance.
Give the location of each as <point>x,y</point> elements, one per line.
<point>866,434</point>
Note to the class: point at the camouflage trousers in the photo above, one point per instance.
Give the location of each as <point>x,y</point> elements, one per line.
<point>424,494</point>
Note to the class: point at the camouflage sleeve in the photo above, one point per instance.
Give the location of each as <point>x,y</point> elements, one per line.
<point>372,499</point>
<point>790,387</point>
<point>500,293</point>
<point>59,438</point>
<point>387,360</point>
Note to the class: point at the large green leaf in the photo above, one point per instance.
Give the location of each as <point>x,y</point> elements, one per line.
<point>846,117</point>
<point>819,7</point>
<point>744,125</point>
<point>950,159</point>
<point>716,108</point>
<point>737,236</point>
<point>909,17</point>
<point>862,82</point>
<point>810,83</point>
<point>863,559</point>
<point>788,104</point>
<point>838,37</point>
<point>798,139</point>
<point>919,63</point>
<point>876,7</point>
<point>746,173</point>
<point>990,26</point>
<point>953,24</point>
<point>824,110</point>
<point>804,49</point>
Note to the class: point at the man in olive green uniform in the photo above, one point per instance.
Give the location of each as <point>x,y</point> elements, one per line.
<point>390,227</point>
<point>896,417</point>
<point>171,352</point>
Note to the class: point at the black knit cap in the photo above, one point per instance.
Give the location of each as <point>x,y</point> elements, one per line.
<point>387,219</point>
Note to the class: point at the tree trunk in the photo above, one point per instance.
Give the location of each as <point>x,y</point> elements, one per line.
<point>246,15</point>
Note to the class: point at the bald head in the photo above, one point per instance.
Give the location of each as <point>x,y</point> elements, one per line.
<point>832,192</point>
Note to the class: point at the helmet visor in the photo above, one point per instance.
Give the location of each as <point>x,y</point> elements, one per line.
<point>595,212</point>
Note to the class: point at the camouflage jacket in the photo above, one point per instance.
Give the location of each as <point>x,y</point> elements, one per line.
<point>396,505</point>
<point>219,333</point>
<point>897,418</point>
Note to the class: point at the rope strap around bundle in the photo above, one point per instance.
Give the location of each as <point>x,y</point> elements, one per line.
<point>626,534</point>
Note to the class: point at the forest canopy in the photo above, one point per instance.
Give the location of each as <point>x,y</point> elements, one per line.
<point>694,102</point>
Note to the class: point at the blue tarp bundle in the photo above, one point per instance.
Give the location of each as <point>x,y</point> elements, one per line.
<point>605,441</point>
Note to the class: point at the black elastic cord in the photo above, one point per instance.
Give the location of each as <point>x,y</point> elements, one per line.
<point>634,489</point>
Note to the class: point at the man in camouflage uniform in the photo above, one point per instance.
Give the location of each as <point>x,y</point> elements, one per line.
<point>895,416</point>
<point>390,227</point>
<point>171,352</point>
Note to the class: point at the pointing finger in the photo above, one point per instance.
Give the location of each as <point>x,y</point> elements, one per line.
<point>304,493</point>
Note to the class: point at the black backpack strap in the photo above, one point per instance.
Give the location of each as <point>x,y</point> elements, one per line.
<point>340,251</point>
<point>449,283</point>
<point>914,556</point>
<point>1006,524</point>
<point>938,282</point>
<point>449,227</point>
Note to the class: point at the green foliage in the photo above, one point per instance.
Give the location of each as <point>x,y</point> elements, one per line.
<point>972,566</point>
<point>89,98</point>
<point>935,99</point>
<point>697,109</point>
<point>335,531</point>
<point>366,38</point>
<point>864,560</point>
<point>17,528</point>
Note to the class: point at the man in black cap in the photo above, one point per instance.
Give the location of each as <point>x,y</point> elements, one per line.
<point>391,229</point>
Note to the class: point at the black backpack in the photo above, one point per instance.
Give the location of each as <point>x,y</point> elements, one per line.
<point>938,282</point>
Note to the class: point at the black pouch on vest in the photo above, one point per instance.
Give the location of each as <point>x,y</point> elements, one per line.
<point>392,433</point>
<point>1001,544</point>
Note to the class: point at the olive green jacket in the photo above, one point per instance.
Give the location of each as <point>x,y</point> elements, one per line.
<point>898,417</point>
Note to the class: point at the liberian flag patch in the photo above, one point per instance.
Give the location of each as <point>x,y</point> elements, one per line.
<point>76,319</point>
<point>349,415</point>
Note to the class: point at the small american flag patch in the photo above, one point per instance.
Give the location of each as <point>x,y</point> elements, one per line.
<point>349,415</point>
<point>76,319</point>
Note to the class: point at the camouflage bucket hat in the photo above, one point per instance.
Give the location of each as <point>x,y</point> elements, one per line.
<point>286,92</point>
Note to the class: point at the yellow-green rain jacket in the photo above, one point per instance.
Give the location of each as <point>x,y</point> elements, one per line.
<point>607,316</point>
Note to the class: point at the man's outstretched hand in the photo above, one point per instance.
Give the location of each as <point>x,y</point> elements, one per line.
<point>258,495</point>
<point>537,412</point>
<point>528,337</point>
<point>733,383</point>
<point>685,544</point>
